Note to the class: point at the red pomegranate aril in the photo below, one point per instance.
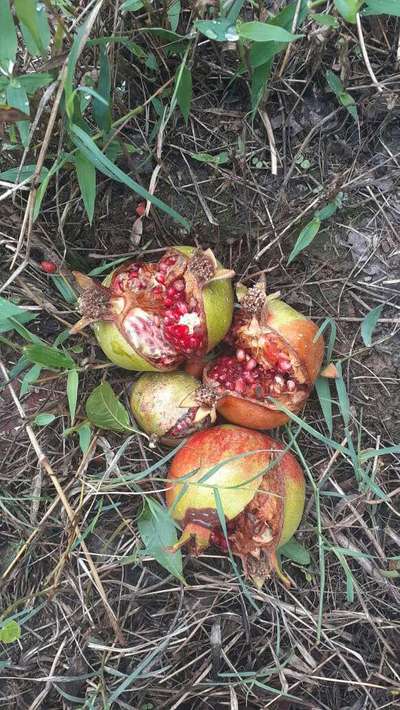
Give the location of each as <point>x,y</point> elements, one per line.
<point>279,381</point>
<point>290,386</point>
<point>168,302</point>
<point>179,285</point>
<point>172,293</point>
<point>160,278</point>
<point>240,386</point>
<point>240,355</point>
<point>193,341</point>
<point>163,266</point>
<point>181,307</point>
<point>251,364</point>
<point>284,365</point>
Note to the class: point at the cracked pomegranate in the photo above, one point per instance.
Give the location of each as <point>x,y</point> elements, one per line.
<point>261,489</point>
<point>171,405</point>
<point>152,316</point>
<point>274,356</point>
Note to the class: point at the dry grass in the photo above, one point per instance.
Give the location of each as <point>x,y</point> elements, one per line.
<point>102,627</point>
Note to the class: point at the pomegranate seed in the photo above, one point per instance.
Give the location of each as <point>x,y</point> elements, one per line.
<point>179,285</point>
<point>248,377</point>
<point>290,386</point>
<point>240,355</point>
<point>171,293</point>
<point>49,267</point>
<point>193,342</point>
<point>284,365</point>
<point>163,266</point>
<point>168,302</point>
<point>181,330</point>
<point>240,386</point>
<point>182,307</point>
<point>279,381</point>
<point>160,278</point>
<point>171,260</point>
<point>251,364</point>
<point>140,209</point>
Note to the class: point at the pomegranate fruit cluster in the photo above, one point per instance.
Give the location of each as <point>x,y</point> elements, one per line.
<point>153,316</point>
<point>260,492</point>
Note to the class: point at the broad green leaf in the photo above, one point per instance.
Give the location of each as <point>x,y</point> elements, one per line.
<point>158,532</point>
<point>262,52</point>
<point>219,159</point>
<point>102,109</point>
<point>259,80</point>
<point>44,419</point>
<point>8,35</point>
<point>173,12</point>
<point>104,410</point>
<point>220,30</point>
<point>131,5</point>
<point>338,89</point>
<point>305,238</point>
<point>30,378</point>
<point>85,435</point>
<point>17,97</point>
<point>293,550</point>
<point>265,32</point>
<point>33,17</point>
<point>324,395</point>
<point>26,171</point>
<point>33,82</point>
<point>348,9</point>
<point>369,324</point>
<point>50,357</point>
<point>10,631</point>
<point>183,88</point>
<point>325,20</point>
<point>9,323</point>
<point>86,174</point>
<point>8,309</point>
<point>102,163</point>
<point>382,7</point>
<point>72,392</point>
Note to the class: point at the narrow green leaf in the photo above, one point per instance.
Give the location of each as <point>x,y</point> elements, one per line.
<point>324,395</point>
<point>382,7</point>
<point>32,15</point>
<point>49,357</point>
<point>219,159</point>
<point>293,550</point>
<point>348,102</point>
<point>66,290</point>
<point>8,309</point>
<point>102,163</point>
<point>305,238</point>
<point>27,171</point>
<point>334,82</point>
<point>326,211</point>
<point>10,631</point>
<point>102,110</point>
<point>44,419</point>
<point>344,404</point>
<point>265,32</point>
<point>158,532</point>
<point>234,10</point>
<point>85,435</point>
<point>369,324</point>
<point>86,174</point>
<point>104,410</point>
<point>30,378</point>
<point>57,165</point>
<point>173,12</point>
<point>76,49</point>
<point>183,88</point>
<point>8,35</point>
<point>72,392</point>
<point>9,323</point>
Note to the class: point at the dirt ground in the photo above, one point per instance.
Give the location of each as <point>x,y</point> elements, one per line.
<point>208,644</point>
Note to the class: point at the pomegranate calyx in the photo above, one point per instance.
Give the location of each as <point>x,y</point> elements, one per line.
<point>252,300</point>
<point>94,302</point>
<point>204,266</point>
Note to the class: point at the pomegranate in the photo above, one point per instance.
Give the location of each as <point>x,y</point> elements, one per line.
<point>274,355</point>
<point>152,316</point>
<point>171,405</point>
<point>261,489</point>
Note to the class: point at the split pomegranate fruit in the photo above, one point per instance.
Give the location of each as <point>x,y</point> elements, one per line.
<point>275,354</point>
<point>261,495</point>
<point>171,405</point>
<point>153,316</point>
